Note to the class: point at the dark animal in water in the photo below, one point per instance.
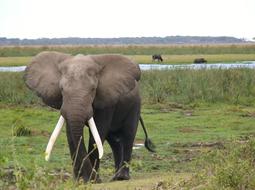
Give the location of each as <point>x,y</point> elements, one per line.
<point>200,60</point>
<point>157,57</point>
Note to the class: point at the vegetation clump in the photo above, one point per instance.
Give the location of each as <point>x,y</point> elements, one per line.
<point>235,86</point>
<point>22,131</point>
<point>231,168</point>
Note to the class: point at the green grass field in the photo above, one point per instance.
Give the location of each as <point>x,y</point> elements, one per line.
<point>202,123</point>
<point>146,59</point>
<point>208,49</point>
<point>193,127</point>
<point>172,54</point>
<point>181,135</point>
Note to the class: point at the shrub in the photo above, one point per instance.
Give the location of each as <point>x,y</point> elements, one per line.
<point>21,130</point>
<point>235,86</point>
<point>188,86</point>
<point>232,168</point>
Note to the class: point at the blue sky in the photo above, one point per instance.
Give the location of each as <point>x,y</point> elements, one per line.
<point>126,18</point>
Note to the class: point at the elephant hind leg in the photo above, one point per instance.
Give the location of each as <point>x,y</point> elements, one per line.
<point>127,136</point>
<point>122,156</point>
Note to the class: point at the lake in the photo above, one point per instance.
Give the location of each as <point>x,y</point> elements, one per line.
<point>243,64</point>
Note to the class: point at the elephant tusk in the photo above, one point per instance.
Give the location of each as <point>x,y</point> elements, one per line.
<point>96,136</point>
<point>54,137</point>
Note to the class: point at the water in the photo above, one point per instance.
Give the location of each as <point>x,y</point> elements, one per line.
<point>243,64</point>
<point>12,69</point>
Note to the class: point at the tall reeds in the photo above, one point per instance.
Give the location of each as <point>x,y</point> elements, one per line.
<point>13,51</point>
<point>188,86</point>
<point>14,91</point>
<point>181,86</point>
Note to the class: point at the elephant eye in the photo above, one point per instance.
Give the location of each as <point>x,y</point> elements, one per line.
<point>61,85</point>
<point>93,88</point>
<point>91,72</point>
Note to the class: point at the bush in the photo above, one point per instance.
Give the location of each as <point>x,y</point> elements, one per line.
<point>235,86</point>
<point>232,168</point>
<point>21,130</point>
<point>14,91</point>
<point>188,86</point>
<point>19,51</point>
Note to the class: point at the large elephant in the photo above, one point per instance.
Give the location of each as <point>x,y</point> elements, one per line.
<point>103,87</point>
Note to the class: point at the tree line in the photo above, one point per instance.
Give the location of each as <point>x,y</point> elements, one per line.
<point>122,41</point>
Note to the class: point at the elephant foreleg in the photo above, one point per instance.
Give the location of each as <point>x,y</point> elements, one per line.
<point>115,142</point>
<point>103,120</point>
<point>72,149</point>
<point>94,157</point>
<point>81,163</point>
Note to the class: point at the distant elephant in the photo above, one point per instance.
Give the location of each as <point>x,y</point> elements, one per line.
<point>157,57</point>
<point>200,60</point>
<point>103,87</point>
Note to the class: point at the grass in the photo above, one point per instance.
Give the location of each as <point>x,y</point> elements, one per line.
<point>202,123</point>
<point>229,169</point>
<point>146,59</point>
<point>172,54</point>
<point>14,91</point>
<point>13,51</point>
<point>182,135</point>
<point>14,61</point>
<point>235,86</point>
<point>191,86</point>
<point>152,181</point>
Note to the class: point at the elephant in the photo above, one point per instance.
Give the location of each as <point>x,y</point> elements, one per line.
<point>100,89</point>
<point>157,57</point>
<point>200,60</point>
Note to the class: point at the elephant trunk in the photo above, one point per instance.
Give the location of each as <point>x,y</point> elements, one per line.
<point>81,162</point>
<point>77,115</point>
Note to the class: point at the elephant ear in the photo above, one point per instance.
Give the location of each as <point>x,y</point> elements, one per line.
<point>118,76</point>
<point>43,75</point>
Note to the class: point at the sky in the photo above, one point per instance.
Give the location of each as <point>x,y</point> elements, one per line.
<point>126,18</point>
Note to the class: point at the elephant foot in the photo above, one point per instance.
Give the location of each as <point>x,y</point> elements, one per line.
<point>121,175</point>
<point>94,178</point>
<point>97,180</point>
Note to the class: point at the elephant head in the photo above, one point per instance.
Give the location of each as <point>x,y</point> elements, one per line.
<point>76,85</point>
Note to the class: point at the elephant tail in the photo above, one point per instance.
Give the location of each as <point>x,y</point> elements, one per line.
<point>147,143</point>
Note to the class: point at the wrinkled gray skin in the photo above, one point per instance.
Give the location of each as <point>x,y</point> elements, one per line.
<point>102,86</point>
